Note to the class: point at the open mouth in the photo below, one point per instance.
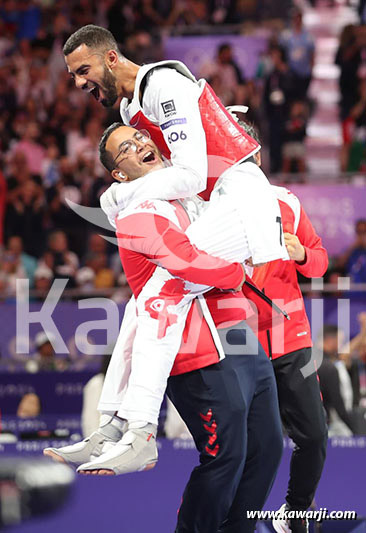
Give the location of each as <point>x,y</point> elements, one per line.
<point>95,93</point>
<point>149,157</point>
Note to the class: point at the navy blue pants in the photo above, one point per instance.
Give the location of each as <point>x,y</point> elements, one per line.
<point>231,409</point>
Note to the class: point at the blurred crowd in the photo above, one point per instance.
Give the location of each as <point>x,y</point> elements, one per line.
<point>49,130</point>
<point>342,376</point>
<point>351,59</point>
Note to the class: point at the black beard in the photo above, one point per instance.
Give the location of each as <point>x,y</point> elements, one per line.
<point>109,89</point>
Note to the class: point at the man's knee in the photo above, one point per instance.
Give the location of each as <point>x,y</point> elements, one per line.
<point>231,454</point>
<point>315,438</point>
<point>276,444</point>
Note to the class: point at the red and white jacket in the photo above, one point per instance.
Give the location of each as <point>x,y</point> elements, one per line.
<point>169,327</point>
<point>166,273</point>
<point>279,281</point>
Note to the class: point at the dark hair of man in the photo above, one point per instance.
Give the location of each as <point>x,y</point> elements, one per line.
<point>94,37</point>
<point>330,330</point>
<point>105,156</point>
<point>223,47</point>
<point>360,221</point>
<point>250,129</point>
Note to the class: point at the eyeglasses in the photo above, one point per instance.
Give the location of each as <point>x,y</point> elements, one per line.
<point>130,146</point>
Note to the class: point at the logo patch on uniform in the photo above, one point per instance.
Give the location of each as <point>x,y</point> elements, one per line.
<point>146,205</point>
<point>168,108</point>
<point>173,122</point>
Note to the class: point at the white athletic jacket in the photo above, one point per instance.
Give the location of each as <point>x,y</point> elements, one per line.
<point>158,259</point>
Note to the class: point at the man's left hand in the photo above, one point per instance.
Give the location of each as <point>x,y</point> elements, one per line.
<point>295,249</point>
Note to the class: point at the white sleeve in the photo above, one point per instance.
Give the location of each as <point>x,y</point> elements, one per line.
<point>171,101</point>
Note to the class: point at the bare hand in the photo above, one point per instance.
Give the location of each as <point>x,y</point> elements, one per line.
<point>250,263</point>
<point>295,249</point>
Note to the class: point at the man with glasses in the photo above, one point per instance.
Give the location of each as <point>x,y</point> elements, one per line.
<point>228,402</point>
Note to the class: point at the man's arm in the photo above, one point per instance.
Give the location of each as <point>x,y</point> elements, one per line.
<point>330,387</point>
<point>163,242</point>
<point>170,100</point>
<point>315,262</point>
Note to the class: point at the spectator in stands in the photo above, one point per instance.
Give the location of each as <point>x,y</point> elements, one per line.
<point>224,74</point>
<point>18,173</point>
<point>354,129</point>
<point>352,357</point>
<point>123,291</point>
<point>85,150</point>
<point>248,94</point>
<point>335,384</point>
<point>29,406</point>
<point>20,264</point>
<point>349,58</point>
<point>277,93</point>
<point>31,148</point>
<point>196,14</point>
<point>96,274</point>
<point>223,11</point>
<point>43,277</point>
<point>59,258</point>
<point>45,360</point>
<point>248,10</point>
<point>362,373</point>
<point>103,276</point>
<point>141,48</point>
<point>7,94</point>
<point>353,261</point>
<point>294,137</point>
<point>362,11</point>
<point>50,165</point>
<point>299,48</point>
<point>24,216</point>
<point>3,192</point>
<point>96,244</point>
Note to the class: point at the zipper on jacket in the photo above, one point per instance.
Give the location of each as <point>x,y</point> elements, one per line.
<point>268,333</point>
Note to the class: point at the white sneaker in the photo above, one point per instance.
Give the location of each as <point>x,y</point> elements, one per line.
<point>135,452</point>
<point>110,431</point>
<point>282,525</point>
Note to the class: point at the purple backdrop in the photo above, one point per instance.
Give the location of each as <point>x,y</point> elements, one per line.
<point>333,210</point>
<point>196,51</point>
<point>68,317</point>
<point>149,501</point>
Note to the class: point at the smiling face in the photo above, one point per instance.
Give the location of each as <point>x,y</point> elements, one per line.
<point>91,73</point>
<point>130,162</point>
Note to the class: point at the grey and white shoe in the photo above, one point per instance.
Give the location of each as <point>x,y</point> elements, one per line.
<point>135,452</point>
<point>285,525</point>
<point>280,524</point>
<point>109,432</point>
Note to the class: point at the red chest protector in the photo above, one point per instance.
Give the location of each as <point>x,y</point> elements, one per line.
<point>227,142</point>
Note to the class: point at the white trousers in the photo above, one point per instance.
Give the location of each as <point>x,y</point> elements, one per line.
<point>242,221</point>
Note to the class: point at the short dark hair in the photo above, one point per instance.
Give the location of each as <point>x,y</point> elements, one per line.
<point>330,330</point>
<point>223,46</point>
<point>104,155</point>
<point>93,37</point>
<point>250,129</point>
<point>360,221</point>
